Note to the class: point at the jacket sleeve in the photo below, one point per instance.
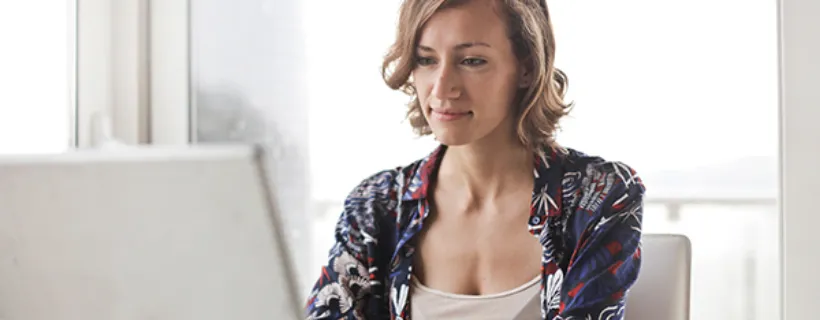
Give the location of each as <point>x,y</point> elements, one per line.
<point>350,284</point>
<point>605,231</point>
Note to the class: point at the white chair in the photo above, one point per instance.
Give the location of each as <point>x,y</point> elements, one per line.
<point>663,286</point>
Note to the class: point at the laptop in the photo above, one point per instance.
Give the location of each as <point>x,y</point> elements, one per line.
<point>162,233</point>
<point>662,290</point>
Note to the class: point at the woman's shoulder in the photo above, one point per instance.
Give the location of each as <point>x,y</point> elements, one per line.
<point>586,172</point>
<point>595,191</point>
<point>377,186</point>
<point>381,191</point>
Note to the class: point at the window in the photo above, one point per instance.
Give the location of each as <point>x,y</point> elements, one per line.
<point>36,84</point>
<point>694,86</point>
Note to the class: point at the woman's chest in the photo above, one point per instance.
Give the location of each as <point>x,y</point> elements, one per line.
<point>476,255</point>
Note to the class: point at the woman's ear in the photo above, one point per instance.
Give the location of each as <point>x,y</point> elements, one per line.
<point>525,74</point>
<point>525,80</point>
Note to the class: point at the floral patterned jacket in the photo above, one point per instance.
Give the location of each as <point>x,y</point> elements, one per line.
<point>585,211</point>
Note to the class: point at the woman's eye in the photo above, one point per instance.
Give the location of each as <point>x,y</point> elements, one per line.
<point>422,61</point>
<point>474,61</point>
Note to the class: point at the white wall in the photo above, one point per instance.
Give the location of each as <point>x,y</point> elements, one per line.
<point>800,147</point>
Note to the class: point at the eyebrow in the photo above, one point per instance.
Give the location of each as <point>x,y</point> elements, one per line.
<point>460,46</point>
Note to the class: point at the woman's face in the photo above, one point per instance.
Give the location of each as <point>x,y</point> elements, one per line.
<point>467,74</point>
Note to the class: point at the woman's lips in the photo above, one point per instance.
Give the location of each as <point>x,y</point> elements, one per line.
<point>449,115</point>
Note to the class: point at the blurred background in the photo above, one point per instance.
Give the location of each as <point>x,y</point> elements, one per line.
<point>686,92</point>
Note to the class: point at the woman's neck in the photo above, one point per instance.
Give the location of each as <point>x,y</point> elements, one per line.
<point>483,172</point>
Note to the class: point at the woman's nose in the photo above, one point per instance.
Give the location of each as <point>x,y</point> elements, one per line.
<point>447,85</point>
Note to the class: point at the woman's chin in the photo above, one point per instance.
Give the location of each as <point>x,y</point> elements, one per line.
<point>453,139</point>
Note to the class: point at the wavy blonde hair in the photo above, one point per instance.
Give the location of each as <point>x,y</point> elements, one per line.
<point>538,107</point>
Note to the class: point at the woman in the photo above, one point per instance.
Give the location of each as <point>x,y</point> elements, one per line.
<point>500,222</point>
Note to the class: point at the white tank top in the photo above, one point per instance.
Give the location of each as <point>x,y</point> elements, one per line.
<point>522,303</point>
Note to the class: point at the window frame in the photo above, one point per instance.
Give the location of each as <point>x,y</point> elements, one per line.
<point>111,84</point>
<point>170,73</point>
<point>72,60</point>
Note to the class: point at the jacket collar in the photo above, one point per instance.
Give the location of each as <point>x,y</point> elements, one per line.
<point>547,170</point>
